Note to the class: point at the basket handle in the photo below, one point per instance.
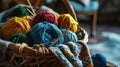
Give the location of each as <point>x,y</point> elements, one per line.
<point>70,8</point>
<point>67,4</point>
<point>37,3</point>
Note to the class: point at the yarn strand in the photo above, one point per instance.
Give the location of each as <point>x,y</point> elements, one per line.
<point>58,39</point>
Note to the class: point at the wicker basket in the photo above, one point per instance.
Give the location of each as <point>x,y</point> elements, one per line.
<point>37,56</point>
<point>22,55</point>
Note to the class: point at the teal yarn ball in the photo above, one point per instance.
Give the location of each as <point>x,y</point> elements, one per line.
<point>46,33</point>
<point>99,60</point>
<point>69,36</point>
<point>19,38</point>
<point>1,24</point>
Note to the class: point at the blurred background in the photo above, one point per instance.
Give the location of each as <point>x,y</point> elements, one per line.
<point>100,18</point>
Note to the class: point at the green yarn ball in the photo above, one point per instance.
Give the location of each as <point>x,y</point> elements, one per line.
<point>19,38</point>
<point>20,12</point>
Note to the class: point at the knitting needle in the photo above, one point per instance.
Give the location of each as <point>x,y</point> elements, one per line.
<point>31,7</point>
<point>30,12</point>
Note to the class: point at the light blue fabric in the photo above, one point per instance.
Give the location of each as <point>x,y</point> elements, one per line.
<point>93,6</point>
<point>110,47</point>
<point>65,47</point>
<point>65,58</point>
<point>61,56</point>
<point>112,37</point>
<point>76,62</point>
<point>4,45</point>
<point>74,48</point>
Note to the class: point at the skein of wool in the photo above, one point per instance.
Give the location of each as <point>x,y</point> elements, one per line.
<point>20,12</point>
<point>1,24</point>
<point>99,60</point>
<point>13,26</point>
<point>29,19</point>
<point>69,36</point>
<point>45,16</point>
<point>66,21</point>
<point>19,38</point>
<point>46,33</point>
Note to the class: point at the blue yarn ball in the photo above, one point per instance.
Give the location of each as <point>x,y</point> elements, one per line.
<point>1,24</point>
<point>69,36</point>
<point>46,33</point>
<point>19,38</point>
<point>99,60</point>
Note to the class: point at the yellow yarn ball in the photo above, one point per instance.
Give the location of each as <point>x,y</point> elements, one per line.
<point>13,26</point>
<point>66,21</point>
<point>29,19</point>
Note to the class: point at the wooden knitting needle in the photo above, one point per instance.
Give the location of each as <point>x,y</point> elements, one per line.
<point>31,7</point>
<point>30,12</point>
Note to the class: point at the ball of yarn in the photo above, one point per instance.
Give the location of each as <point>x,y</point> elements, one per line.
<point>19,38</point>
<point>45,16</point>
<point>13,26</point>
<point>20,12</point>
<point>66,21</point>
<point>69,36</point>
<point>99,60</point>
<point>1,24</point>
<point>29,19</point>
<point>46,33</point>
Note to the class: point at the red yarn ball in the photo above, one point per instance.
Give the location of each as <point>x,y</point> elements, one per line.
<point>45,16</point>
